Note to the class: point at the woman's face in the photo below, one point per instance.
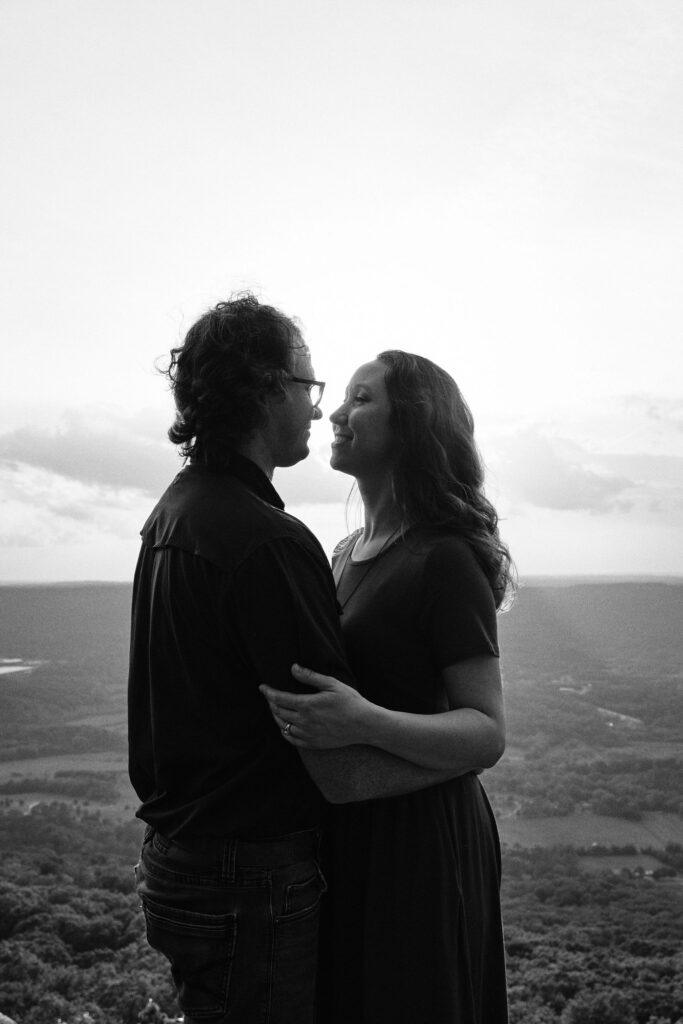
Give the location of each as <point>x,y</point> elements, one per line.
<point>363,440</point>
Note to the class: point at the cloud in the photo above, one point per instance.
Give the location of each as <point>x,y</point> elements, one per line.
<point>94,477</point>
<point>612,455</point>
<point>91,480</point>
<point>547,473</point>
<point>40,508</point>
<point>103,449</point>
<point>665,414</point>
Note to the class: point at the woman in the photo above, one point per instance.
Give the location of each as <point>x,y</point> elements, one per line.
<point>414,928</point>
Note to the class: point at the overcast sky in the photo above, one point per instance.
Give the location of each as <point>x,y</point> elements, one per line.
<point>494,184</point>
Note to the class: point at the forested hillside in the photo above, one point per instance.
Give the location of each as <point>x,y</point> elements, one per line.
<point>598,949</point>
<point>588,796</point>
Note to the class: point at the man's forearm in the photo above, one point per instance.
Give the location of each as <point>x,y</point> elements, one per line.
<point>347,774</point>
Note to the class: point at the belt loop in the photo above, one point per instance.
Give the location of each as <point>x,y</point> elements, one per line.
<point>229,860</point>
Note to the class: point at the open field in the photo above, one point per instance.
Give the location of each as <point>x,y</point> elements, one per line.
<point>579,829</point>
<point>612,645</point>
<point>122,808</point>
<point>577,921</point>
<point>655,830</point>
<point>37,766</point>
<point>619,862</point>
<point>117,721</point>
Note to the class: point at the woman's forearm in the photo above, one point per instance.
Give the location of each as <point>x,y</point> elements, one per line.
<point>471,735</point>
<point>460,740</point>
<point>348,774</point>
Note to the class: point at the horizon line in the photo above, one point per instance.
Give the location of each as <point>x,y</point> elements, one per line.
<point>528,578</point>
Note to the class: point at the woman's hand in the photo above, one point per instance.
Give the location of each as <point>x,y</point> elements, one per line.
<point>335,716</point>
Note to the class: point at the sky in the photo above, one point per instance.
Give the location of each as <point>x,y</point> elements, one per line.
<point>495,185</point>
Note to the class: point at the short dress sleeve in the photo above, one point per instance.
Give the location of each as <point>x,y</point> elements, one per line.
<point>343,544</point>
<point>458,611</point>
<point>341,554</point>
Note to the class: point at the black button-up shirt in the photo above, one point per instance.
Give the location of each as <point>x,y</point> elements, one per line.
<point>229,591</point>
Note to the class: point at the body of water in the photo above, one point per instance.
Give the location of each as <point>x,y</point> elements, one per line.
<point>10,665</point>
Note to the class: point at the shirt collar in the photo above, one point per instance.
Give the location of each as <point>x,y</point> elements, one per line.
<point>248,473</point>
<point>255,479</point>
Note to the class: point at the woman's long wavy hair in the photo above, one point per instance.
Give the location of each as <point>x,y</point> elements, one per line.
<point>438,472</point>
<point>232,359</point>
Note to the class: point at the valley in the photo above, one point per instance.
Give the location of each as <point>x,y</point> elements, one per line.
<point>588,798</point>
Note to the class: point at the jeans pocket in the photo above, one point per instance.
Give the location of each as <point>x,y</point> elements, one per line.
<point>302,898</point>
<point>200,949</point>
<point>295,947</point>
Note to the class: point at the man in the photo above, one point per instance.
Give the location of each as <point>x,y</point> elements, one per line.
<point>229,592</point>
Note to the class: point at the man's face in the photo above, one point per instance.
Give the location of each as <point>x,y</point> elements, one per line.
<point>288,428</point>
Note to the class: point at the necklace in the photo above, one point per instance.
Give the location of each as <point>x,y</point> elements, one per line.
<point>372,563</point>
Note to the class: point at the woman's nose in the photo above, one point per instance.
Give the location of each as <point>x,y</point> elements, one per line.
<point>338,414</point>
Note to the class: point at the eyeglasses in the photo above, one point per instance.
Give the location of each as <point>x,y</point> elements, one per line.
<point>315,389</point>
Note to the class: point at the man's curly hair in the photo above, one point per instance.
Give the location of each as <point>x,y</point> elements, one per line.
<point>232,358</point>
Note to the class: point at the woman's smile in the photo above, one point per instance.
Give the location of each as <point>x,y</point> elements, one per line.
<point>363,438</point>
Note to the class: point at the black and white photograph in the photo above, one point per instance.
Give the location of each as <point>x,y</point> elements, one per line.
<point>341,494</point>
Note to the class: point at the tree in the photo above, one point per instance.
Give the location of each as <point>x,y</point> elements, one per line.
<point>602,1007</point>
<point>152,1014</point>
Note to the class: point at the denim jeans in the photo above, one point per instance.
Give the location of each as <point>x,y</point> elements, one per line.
<point>238,922</point>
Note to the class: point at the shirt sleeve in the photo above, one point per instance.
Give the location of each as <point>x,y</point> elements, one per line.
<point>284,601</point>
<point>458,613</point>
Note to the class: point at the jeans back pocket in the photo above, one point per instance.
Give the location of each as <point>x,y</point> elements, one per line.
<point>200,949</point>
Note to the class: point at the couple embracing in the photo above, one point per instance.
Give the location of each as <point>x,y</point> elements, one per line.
<point>307,747</point>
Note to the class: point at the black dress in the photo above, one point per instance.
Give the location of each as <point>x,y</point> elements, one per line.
<point>414,933</point>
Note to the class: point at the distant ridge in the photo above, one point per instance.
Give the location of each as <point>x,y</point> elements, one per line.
<point>597,579</point>
<point>531,580</point>
<point>66,583</point>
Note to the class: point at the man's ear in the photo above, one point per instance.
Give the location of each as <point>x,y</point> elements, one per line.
<point>276,391</point>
